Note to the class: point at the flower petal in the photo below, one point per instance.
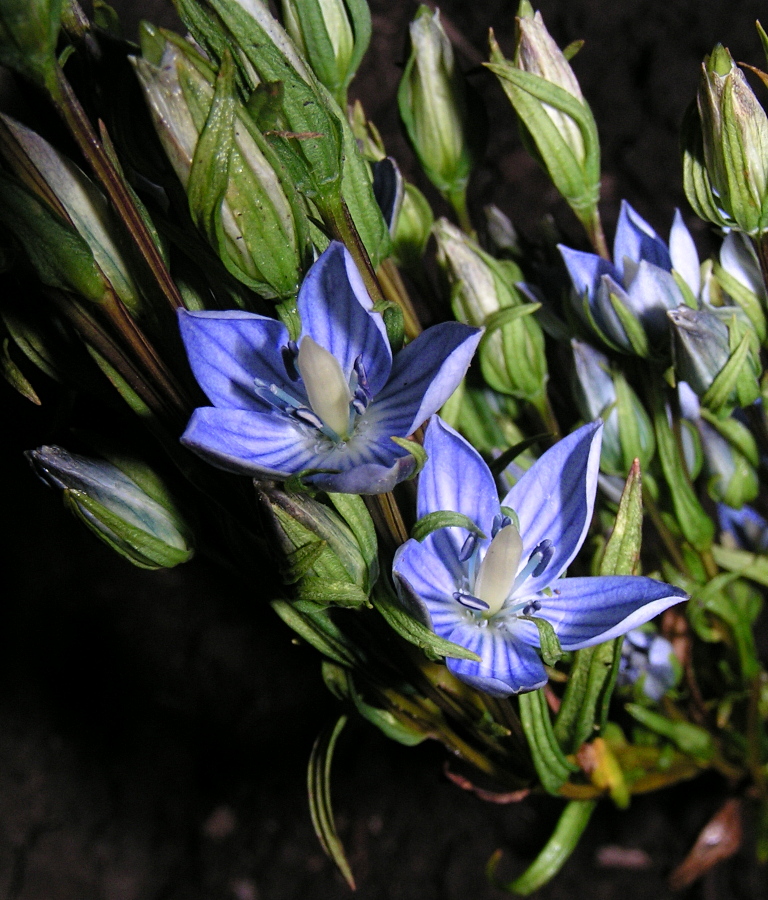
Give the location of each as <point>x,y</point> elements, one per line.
<point>636,240</point>
<point>424,375</point>
<point>508,666</point>
<point>227,350</point>
<point>251,443</point>
<point>586,270</point>
<point>431,582</point>
<point>456,478</point>
<point>588,611</point>
<point>365,478</point>
<point>652,292</point>
<point>554,501</point>
<point>335,311</point>
<point>685,257</point>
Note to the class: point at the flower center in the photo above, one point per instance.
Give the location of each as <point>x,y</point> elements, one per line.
<point>334,402</point>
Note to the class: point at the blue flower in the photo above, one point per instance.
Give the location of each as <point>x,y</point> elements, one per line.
<point>476,591</point>
<point>650,660</point>
<point>744,529</point>
<point>639,279</point>
<point>328,404</point>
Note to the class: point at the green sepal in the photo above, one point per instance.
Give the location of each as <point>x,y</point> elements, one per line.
<point>634,331</point>
<point>418,453</point>
<point>443,518</point>
<point>352,508</point>
<point>61,258</point>
<point>137,546</point>
<point>414,631</point>
<point>696,181</point>
<point>735,378</point>
<point>395,325</point>
<point>561,844</point>
<point>314,624</point>
<point>584,708</point>
<point>697,527</point>
<point>29,31</point>
<point>741,295</point>
<point>686,736</point>
<point>319,792</point>
<point>549,643</point>
<point>300,561</point>
<point>15,377</point>
<point>549,761</point>
<point>635,429</point>
<point>578,183</point>
<point>326,593</point>
<point>340,683</point>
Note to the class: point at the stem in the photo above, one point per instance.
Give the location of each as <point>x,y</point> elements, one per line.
<point>68,106</point>
<point>761,245</point>
<point>338,219</point>
<point>394,290</point>
<point>664,533</point>
<point>593,225</point>
<point>544,408</point>
<point>458,200</point>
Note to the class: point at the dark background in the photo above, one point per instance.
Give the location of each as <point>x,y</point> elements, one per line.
<point>155,727</point>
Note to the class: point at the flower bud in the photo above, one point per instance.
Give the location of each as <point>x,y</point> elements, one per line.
<point>601,393</point>
<point>734,130</point>
<point>512,356</point>
<point>330,553</point>
<point>742,529</point>
<point>556,122</point>
<point>649,662</point>
<point>738,274</point>
<point>717,354</point>
<point>29,30</point>
<point>133,515</point>
<point>70,194</point>
<point>257,228</point>
<point>332,35</point>
<point>413,227</point>
<point>433,107</point>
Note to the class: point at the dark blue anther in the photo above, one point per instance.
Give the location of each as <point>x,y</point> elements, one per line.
<point>290,353</point>
<point>468,547</point>
<point>307,415</point>
<point>547,551</point>
<point>499,521</point>
<point>533,607</point>
<point>469,601</point>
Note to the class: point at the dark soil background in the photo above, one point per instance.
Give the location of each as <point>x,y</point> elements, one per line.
<point>155,727</point>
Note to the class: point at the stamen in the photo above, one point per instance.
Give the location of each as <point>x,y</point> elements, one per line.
<point>468,547</point>
<point>469,601</point>
<point>275,396</point>
<point>537,563</point>
<point>499,522</point>
<point>533,607</point>
<point>289,353</point>
<point>494,582</point>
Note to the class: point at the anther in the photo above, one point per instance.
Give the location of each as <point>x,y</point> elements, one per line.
<point>470,601</point>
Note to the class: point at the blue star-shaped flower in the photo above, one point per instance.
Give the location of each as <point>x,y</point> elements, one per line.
<point>330,401</point>
<point>475,591</point>
<point>640,278</point>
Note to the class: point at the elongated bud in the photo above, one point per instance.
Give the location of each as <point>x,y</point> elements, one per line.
<point>257,228</point>
<point>716,352</point>
<point>135,517</point>
<point>70,194</point>
<point>413,227</point>
<point>433,106</point>
<point>734,130</point>
<point>330,549</point>
<point>512,354</point>
<point>556,122</point>
<point>333,36</point>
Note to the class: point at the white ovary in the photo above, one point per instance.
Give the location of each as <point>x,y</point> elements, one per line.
<point>497,572</point>
<point>327,388</point>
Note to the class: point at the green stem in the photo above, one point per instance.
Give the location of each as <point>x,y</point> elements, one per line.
<point>544,408</point>
<point>458,200</point>
<point>593,225</point>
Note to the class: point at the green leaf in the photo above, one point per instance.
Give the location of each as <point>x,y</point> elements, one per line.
<point>443,518</point>
<point>325,592</point>
<point>689,738</point>
<point>314,624</point>
<point>319,790</point>
<point>29,30</point>
<point>417,452</point>
<point>352,508</point>
<point>549,761</point>
<point>734,377</point>
<point>415,632</point>
<point>568,831</point>
<point>742,295</point>
<point>632,328</point>
<point>15,377</point>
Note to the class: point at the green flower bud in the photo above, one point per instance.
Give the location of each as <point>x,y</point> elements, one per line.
<point>512,356</point>
<point>413,227</point>
<point>433,106</point>
<point>239,194</point>
<point>75,198</point>
<point>717,353</point>
<point>330,550</point>
<point>132,514</point>
<point>332,35</point>
<point>734,130</point>
<point>29,30</point>
<point>556,122</point>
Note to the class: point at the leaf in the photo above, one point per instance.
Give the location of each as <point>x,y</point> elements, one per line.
<point>569,829</point>
<point>15,377</point>
<point>549,643</point>
<point>319,791</point>
<point>549,761</point>
<point>689,738</point>
<point>314,624</point>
